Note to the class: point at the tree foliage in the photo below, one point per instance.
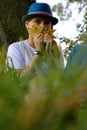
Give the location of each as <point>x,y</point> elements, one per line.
<point>65,13</point>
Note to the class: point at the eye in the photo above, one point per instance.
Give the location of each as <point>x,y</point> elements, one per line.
<point>37,21</point>
<point>48,23</point>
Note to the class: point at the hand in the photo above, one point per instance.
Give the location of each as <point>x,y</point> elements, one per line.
<point>52,48</point>
<point>39,42</point>
<point>48,40</point>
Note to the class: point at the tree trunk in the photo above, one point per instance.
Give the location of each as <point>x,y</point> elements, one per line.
<point>11,27</point>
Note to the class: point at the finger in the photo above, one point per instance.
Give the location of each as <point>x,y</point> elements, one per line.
<point>38,38</point>
<point>47,47</point>
<point>37,35</point>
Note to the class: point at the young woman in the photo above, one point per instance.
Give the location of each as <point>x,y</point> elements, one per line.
<point>40,43</point>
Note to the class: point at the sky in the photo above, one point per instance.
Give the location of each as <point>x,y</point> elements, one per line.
<point>65,28</point>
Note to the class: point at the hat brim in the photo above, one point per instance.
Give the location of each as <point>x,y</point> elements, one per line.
<point>52,19</point>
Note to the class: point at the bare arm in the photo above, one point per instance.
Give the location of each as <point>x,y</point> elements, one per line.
<point>35,60</point>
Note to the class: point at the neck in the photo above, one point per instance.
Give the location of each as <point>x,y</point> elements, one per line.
<point>30,42</point>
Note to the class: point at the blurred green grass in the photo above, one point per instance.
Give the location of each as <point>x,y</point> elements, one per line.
<point>47,101</point>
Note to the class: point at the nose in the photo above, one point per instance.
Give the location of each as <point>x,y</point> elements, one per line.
<point>42,24</point>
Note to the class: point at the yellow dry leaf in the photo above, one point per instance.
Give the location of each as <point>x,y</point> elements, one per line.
<point>35,29</point>
<point>38,29</point>
<point>49,31</point>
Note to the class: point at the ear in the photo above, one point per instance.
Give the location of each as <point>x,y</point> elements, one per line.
<point>26,24</point>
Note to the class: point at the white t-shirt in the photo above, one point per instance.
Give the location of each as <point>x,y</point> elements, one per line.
<point>19,54</point>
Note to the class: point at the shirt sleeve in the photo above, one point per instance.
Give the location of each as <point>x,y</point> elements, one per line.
<point>15,56</point>
<point>77,58</point>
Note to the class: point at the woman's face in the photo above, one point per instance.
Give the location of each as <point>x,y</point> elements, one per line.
<point>40,22</point>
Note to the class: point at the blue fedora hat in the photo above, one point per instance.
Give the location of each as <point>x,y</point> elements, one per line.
<point>40,9</point>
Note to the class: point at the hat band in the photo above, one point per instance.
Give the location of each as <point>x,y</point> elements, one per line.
<point>40,12</point>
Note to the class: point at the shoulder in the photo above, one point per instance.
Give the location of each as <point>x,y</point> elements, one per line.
<point>75,48</point>
<point>16,46</point>
<point>15,49</point>
<point>79,48</point>
<point>73,51</point>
